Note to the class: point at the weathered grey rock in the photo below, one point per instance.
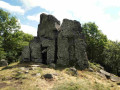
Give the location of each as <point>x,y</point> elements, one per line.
<point>71,46</point>
<point>108,75</point>
<point>48,76</point>
<point>101,74</point>
<point>26,72</point>
<point>3,63</point>
<point>32,68</point>
<point>26,54</point>
<point>73,71</point>
<point>90,69</point>
<point>34,65</point>
<point>35,48</point>
<point>114,78</point>
<point>47,32</point>
<point>63,45</point>
<point>48,26</point>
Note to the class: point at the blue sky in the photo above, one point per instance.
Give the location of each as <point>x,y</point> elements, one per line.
<point>105,13</point>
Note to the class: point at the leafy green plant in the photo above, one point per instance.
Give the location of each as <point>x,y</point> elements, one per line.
<point>94,66</point>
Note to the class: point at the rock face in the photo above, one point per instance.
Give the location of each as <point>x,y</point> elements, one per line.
<point>47,32</point>
<point>35,49</point>
<point>63,45</point>
<point>71,46</point>
<point>26,54</point>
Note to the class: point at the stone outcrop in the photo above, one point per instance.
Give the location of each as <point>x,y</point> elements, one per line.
<point>47,32</point>
<point>26,54</point>
<point>63,45</point>
<point>71,46</point>
<point>35,49</point>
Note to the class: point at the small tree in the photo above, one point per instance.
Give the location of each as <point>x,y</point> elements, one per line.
<point>11,39</point>
<point>2,53</point>
<point>96,42</point>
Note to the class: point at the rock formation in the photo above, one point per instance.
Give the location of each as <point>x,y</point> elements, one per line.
<point>71,46</point>
<point>63,45</point>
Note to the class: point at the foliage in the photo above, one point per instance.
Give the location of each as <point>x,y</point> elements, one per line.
<point>2,53</point>
<point>96,42</point>
<point>112,57</point>
<point>101,50</point>
<point>12,40</point>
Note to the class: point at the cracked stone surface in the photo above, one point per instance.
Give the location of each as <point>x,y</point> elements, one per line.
<point>62,44</point>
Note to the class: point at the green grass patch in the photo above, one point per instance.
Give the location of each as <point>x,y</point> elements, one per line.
<point>19,75</point>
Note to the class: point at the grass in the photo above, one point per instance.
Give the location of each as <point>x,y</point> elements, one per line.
<point>70,72</point>
<point>19,75</point>
<point>94,66</point>
<point>17,79</point>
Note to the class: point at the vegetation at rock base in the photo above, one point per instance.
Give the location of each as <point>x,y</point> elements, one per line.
<point>12,40</point>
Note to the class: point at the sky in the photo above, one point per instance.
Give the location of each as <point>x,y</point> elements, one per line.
<point>105,13</point>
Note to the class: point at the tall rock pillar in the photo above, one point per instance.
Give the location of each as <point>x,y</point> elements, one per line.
<point>48,32</point>
<point>71,45</point>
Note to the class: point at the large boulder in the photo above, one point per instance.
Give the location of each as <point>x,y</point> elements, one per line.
<point>71,45</point>
<point>3,63</point>
<point>114,78</point>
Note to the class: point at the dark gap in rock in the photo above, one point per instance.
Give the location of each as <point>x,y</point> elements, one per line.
<point>56,50</point>
<point>44,55</point>
<point>30,58</point>
<point>56,46</point>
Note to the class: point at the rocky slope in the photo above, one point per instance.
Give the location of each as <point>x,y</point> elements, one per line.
<point>32,76</point>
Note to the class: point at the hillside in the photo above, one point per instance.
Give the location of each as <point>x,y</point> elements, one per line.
<point>29,76</point>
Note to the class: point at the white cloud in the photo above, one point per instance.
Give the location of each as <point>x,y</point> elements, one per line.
<point>11,8</point>
<point>35,17</point>
<point>29,29</point>
<point>82,10</point>
<point>109,3</point>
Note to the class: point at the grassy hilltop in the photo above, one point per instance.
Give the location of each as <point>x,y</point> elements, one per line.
<point>21,76</point>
